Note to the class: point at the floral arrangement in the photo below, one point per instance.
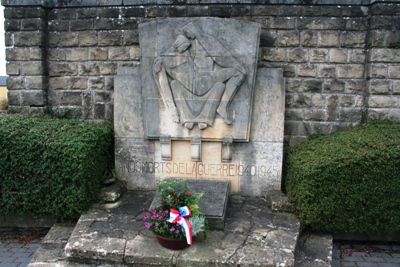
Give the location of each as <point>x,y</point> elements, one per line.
<point>177,214</point>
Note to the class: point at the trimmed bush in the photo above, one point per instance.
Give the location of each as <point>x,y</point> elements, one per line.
<point>348,181</point>
<point>51,166</point>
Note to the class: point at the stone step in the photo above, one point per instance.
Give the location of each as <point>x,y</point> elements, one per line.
<point>253,236</point>
<point>278,202</point>
<point>214,201</point>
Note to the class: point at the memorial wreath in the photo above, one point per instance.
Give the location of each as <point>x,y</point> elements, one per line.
<point>177,214</point>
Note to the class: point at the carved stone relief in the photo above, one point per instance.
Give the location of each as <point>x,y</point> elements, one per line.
<point>202,77</point>
<point>197,78</point>
<point>187,108</point>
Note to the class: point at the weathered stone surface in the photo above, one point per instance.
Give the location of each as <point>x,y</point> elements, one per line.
<point>279,202</point>
<point>334,86</point>
<point>269,101</point>
<point>394,72</point>
<point>273,54</point>
<point>134,163</point>
<point>214,89</point>
<point>222,247</point>
<point>111,193</point>
<point>378,71</point>
<point>350,71</point>
<point>357,56</point>
<point>383,101</point>
<point>319,55</point>
<point>15,83</point>
<point>328,39</point>
<point>268,106</point>
<point>96,248</point>
<point>327,71</point>
<point>308,38</point>
<point>379,87</point>
<point>338,56</point>
<point>252,230</point>
<point>347,101</point>
<point>145,250</point>
<point>299,101</point>
<point>32,68</point>
<point>353,39</point>
<point>287,38</point>
<point>298,55</point>
<point>384,55</point>
<point>354,9</point>
<point>128,123</point>
<point>32,98</point>
<point>17,54</point>
<point>314,250</point>
<point>307,70</point>
<point>355,86</point>
<point>255,166</point>
<point>31,38</point>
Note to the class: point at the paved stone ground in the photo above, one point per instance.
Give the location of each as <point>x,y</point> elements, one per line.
<point>17,246</point>
<point>365,254</point>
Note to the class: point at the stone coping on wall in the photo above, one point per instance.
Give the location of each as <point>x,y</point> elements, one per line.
<point>86,3</point>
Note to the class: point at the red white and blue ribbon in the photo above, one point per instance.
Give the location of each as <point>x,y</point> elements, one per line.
<point>179,217</point>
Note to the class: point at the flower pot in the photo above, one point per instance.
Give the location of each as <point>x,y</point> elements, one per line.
<point>171,243</point>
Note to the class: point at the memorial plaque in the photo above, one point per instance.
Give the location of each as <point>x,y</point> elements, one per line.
<point>198,77</point>
<point>196,107</point>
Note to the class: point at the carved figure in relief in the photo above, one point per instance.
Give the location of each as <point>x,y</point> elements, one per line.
<point>197,78</point>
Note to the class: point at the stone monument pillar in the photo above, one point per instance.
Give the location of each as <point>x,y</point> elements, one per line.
<point>197,107</point>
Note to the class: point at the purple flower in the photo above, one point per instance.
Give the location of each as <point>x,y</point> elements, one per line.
<point>148,225</point>
<point>145,217</point>
<point>157,224</point>
<point>177,232</point>
<point>154,217</point>
<point>172,229</point>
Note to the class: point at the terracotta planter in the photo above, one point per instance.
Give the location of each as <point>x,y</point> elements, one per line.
<point>171,243</point>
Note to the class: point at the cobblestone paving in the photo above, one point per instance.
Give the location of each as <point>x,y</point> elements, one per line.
<point>18,246</point>
<point>356,254</point>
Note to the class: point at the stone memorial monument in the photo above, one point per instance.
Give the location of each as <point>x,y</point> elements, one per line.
<point>198,107</point>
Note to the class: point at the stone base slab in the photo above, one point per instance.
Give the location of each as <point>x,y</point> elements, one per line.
<point>253,236</point>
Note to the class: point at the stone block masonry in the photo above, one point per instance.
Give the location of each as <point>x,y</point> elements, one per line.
<point>340,59</point>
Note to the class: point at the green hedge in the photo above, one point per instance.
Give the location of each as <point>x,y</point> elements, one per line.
<point>348,181</point>
<point>51,166</point>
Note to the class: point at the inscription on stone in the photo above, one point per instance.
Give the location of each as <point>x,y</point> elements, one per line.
<point>198,169</point>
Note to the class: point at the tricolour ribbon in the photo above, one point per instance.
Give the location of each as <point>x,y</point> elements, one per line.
<point>178,217</point>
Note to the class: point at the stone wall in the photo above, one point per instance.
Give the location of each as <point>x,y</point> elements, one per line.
<point>341,62</point>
